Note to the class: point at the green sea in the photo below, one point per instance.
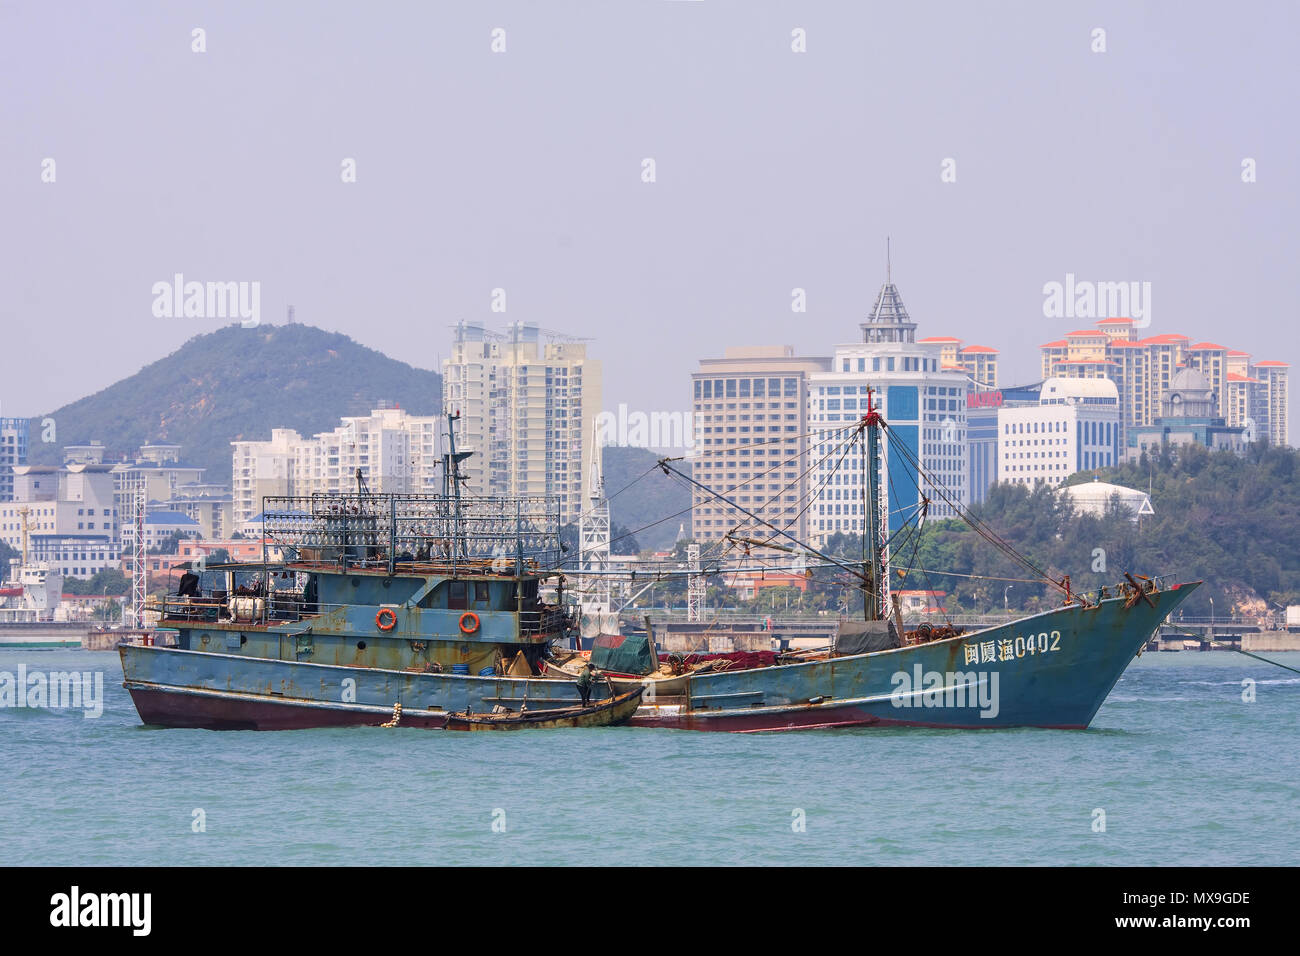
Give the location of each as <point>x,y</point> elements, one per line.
<point>1178,768</point>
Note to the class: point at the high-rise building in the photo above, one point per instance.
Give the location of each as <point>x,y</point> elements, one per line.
<point>924,404</point>
<point>260,469</point>
<point>750,413</point>
<point>394,452</point>
<point>1075,424</point>
<point>1270,408</point>
<point>13,451</point>
<point>526,408</point>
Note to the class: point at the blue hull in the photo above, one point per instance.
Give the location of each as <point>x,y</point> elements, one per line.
<point>1050,670</point>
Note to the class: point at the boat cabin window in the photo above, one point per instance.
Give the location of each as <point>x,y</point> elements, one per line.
<point>482,593</point>
<point>529,592</point>
<point>458,595</point>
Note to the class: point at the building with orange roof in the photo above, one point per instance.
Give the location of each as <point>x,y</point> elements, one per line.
<point>1143,371</point>
<point>1238,388</point>
<point>980,362</point>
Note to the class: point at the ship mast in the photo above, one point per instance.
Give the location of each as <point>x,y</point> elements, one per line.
<point>451,480</point>
<point>872,604</point>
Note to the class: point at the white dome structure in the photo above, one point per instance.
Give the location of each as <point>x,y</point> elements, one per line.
<point>1094,497</point>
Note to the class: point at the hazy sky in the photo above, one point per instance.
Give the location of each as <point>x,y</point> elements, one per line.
<point>522,170</point>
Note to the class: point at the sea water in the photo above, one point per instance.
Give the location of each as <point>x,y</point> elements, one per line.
<point>1192,760</point>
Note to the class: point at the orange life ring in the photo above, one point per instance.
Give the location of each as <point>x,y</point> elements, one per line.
<point>473,622</point>
<point>379,619</point>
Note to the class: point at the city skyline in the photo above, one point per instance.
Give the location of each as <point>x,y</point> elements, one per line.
<point>1085,176</point>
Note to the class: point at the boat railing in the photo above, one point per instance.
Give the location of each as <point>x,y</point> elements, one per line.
<point>281,607</point>
<point>277,608</point>
<point>545,621</point>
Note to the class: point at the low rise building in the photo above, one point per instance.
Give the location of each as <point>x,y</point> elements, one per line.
<point>69,515</point>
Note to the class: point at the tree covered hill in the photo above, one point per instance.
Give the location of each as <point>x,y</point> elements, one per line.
<point>236,384</point>
<point>1232,522</point>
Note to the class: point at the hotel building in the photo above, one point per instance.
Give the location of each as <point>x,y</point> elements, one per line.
<point>751,440</point>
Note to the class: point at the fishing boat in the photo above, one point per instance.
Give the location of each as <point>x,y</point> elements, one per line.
<point>607,713</point>
<point>1053,669</point>
<point>434,602</point>
<point>430,601</point>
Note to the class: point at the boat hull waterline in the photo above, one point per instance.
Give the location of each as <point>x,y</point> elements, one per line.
<point>1050,670</point>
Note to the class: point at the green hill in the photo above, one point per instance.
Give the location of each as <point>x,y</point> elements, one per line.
<point>652,496</point>
<point>235,384</point>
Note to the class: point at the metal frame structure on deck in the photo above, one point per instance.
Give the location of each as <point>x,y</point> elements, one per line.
<point>463,533</point>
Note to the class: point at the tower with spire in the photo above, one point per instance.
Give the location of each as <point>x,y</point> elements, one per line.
<point>921,396</point>
<point>889,321</point>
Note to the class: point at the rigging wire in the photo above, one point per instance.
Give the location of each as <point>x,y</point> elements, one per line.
<point>739,485</point>
<point>976,524</point>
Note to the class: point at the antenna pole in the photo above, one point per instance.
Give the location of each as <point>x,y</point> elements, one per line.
<point>451,473</point>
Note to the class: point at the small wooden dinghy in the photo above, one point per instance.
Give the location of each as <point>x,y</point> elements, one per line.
<point>606,713</point>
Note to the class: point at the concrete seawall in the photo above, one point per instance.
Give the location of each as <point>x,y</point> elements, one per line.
<point>37,634</point>
<point>1270,641</point>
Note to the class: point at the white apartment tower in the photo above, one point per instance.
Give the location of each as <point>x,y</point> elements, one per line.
<point>527,411</point>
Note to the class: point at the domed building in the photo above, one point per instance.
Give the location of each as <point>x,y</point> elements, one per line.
<point>1190,395</point>
<point>1189,414</point>
<point>1097,497</point>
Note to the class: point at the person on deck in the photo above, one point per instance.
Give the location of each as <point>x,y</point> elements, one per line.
<point>189,585</point>
<point>586,677</point>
